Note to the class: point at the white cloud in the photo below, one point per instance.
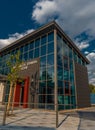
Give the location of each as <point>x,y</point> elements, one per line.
<point>91,67</point>
<point>13,37</point>
<point>75,16</point>
<point>82,45</point>
<point>86,52</point>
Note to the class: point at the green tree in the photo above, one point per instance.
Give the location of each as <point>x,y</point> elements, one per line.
<point>13,64</point>
<point>92,88</point>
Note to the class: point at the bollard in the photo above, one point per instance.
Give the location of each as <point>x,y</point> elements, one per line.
<point>4,116</point>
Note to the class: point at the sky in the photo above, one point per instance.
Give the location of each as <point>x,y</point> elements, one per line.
<point>76,18</point>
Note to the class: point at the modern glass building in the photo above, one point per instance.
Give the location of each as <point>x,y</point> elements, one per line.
<point>54,70</point>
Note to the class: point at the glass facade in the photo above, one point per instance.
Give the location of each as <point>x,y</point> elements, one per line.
<point>66,56</point>
<point>43,48</point>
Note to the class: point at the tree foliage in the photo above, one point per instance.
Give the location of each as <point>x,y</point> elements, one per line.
<point>13,64</point>
<point>92,88</point>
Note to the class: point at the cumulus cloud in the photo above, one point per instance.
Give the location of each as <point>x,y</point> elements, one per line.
<point>75,16</point>
<point>13,37</point>
<point>82,45</point>
<point>91,67</point>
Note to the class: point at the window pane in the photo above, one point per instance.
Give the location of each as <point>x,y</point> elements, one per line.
<point>60,73</point>
<point>66,74</point>
<point>21,49</point>
<point>66,49</point>
<point>66,63</point>
<point>31,45</point>
<point>31,54</point>
<point>25,56</point>
<point>51,47</point>
<point>67,88</point>
<point>70,53</point>
<point>50,60</point>
<point>26,48</point>
<point>37,43</point>
<point>43,40</point>
<point>51,37</point>
<point>50,87</point>
<point>36,54</point>
<point>43,61</point>
<point>50,73</point>
<point>43,50</point>
<point>42,73</point>
<point>42,87</point>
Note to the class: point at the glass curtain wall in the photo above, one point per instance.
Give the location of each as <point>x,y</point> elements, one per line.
<point>65,74</point>
<point>43,48</point>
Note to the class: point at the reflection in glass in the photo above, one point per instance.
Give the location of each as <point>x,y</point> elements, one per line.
<point>50,73</point>
<point>50,60</point>
<point>43,61</point>
<point>43,73</point>
<point>60,73</point>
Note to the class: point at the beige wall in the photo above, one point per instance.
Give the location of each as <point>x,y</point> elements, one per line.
<point>1,91</point>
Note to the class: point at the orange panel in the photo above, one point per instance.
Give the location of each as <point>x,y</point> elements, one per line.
<point>17,95</point>
<point>26,90</point>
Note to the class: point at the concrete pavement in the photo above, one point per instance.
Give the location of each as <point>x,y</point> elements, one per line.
<point>30,119</point>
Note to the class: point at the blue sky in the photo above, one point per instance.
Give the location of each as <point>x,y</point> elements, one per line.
<point>76,17</point>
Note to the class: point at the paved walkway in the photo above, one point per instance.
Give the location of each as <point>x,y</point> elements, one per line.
<point>29,119</point>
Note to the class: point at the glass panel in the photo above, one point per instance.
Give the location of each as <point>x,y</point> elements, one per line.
<point>60,73</point>
<point>36,54</point>
<point>50,99</point>
<point>25,56</point>
<point>66,49</point>
<point>51,47</point>
<point>71,65</point>
<point>50,73</point>
<point>66,74</point>
<point>37,43</point>
<point>66,63</point>
<point>31,45</point>
<point>71,76</point>
<point>43,40</point>
<point>50,87</point>
<point>42,87</point>
<point>42,73</point>
<point>67,88</point>
<point>43,50</point>
<point>70,53</point>
<point>67,100</point>
<point>43,61</point>
<point>31,54</point>
<point>50,60</point>
<point>26,47</point>
<point>73,101</point>
<point>51,37</point>
<point>60,99</point>
<point>75,57</point>
<point>59,60</point>
<point>21,49</point>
